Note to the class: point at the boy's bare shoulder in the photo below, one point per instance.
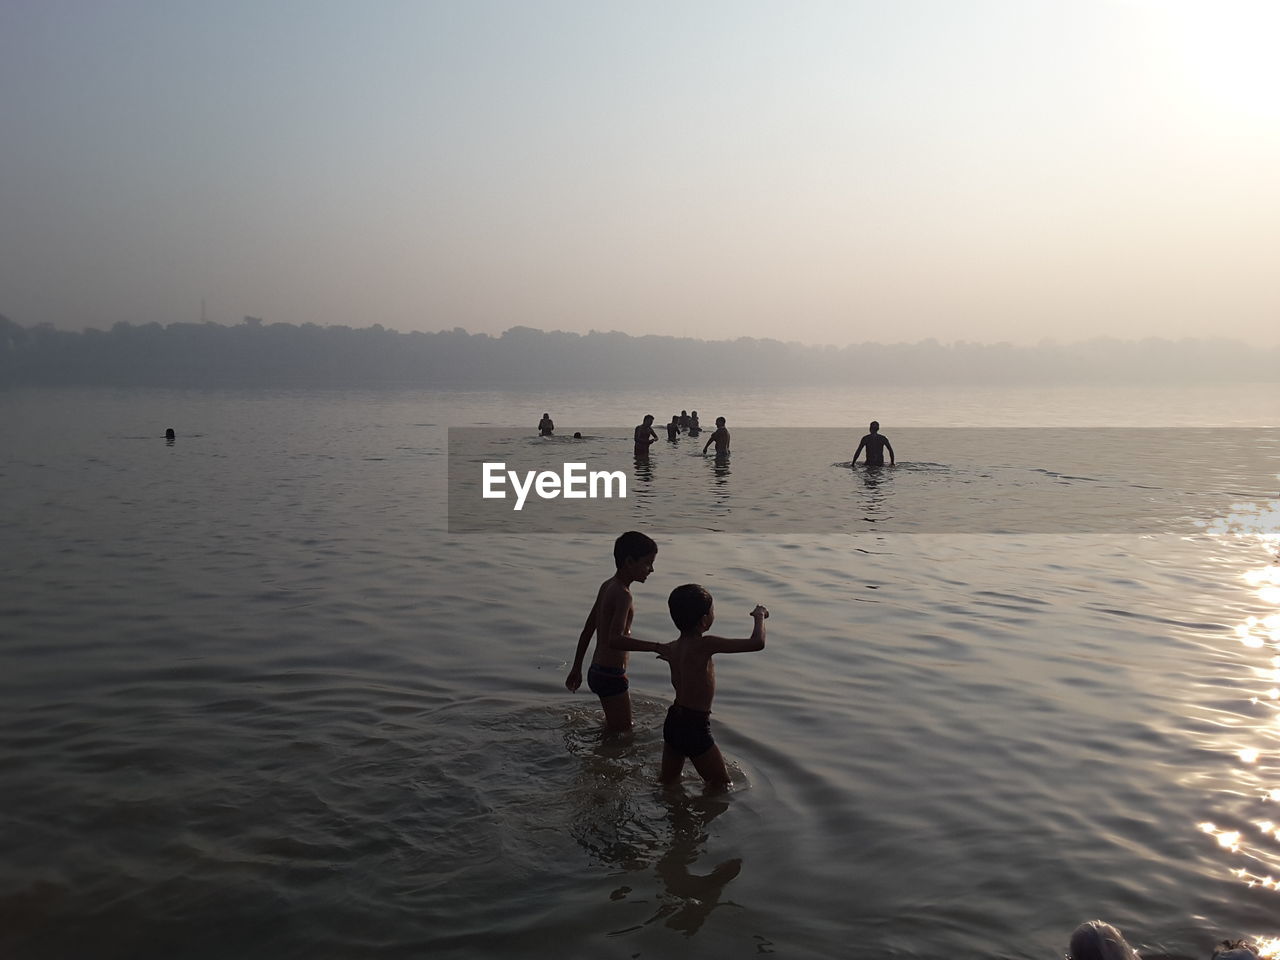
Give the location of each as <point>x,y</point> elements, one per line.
<point>612,589</point>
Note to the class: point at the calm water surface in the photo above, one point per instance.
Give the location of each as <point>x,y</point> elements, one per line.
<point>256,701</point>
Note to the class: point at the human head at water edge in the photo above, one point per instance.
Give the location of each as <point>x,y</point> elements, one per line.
<point>577,435</point>
<point>691,608</point>
<point>633,555</point>
<point>1096,940</point>
<point>546,416</point>
<point>648,418</point>
<point>719,421</point>
<point>875,426</point>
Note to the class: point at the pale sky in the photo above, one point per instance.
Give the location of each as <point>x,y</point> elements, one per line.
<point>824,172</point>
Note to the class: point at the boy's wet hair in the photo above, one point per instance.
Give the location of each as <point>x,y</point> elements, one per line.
<point>632,544</point>
<point>688,604</point>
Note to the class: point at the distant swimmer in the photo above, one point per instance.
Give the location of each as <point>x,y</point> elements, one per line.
<point>545,427</point>
<point>645,436</point>
<point>169,434</point>
<point>720,438</point>
<point>576,435</point>
<point>876,444</point>
<point>684,419</point>
<point>694,428</point>
<point>686,734</point>
<point>673,428</point>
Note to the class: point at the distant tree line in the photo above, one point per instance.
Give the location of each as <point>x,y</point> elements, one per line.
<point>254,353</point>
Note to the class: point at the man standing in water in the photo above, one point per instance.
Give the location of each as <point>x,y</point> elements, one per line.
<point>645,436</point>
<point>720,438</point>
<point>876,446</point>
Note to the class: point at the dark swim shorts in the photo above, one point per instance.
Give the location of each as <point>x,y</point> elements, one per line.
<point>688,731</point>
<point>607,681</point>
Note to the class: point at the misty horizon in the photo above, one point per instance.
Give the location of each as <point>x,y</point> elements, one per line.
<point>258,353</point>
<point>829,173</point>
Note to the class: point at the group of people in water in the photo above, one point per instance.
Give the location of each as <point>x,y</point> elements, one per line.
<point>645,436</point>
<point>874,443</point>
<point>683,422</point>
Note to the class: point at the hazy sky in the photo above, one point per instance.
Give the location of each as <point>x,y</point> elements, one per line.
<point>823,172</point>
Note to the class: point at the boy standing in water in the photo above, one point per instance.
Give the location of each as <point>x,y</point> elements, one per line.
<point>687,730</point>
<point>610,621</point>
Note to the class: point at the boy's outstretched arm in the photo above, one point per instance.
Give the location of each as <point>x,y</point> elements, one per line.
<point>892,460</point>
<point>574,680</point>
<point>749,645</point>
<point>619,639</point>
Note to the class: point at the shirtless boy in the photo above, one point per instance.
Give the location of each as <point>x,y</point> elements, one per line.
<point>610,621</point>
<point>720,438</point>
<point>687,730</point>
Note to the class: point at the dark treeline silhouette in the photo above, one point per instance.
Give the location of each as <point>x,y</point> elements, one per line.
<point>254,353</point>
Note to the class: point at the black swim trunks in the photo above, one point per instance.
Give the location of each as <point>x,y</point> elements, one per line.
<point>688,731</point>
<point>607,681</point>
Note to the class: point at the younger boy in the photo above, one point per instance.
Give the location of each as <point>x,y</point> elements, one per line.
<point>687,730</point>
<point>610,620</point>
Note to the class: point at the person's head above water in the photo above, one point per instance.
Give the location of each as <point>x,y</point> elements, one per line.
<point>689,604</point>
<point>169,434</point>
<point>633,548</point>
<point>577,435</point>
<point>648,418</point>
<point>719,421</point>
<point>875,426</point>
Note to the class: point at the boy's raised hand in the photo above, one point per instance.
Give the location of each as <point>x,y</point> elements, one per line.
<point>760,611</point>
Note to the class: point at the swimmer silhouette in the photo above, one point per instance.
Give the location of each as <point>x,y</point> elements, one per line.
<point>169,435</point>
<point>875,445</point>
<point>576,435</point>
<point>545,426</point>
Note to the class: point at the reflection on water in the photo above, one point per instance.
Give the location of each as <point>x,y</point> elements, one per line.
<point>686,898</point>
<point>624,820</point>
<point>1250,833</point>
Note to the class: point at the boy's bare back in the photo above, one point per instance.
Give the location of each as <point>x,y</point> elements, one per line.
<point>693,672</point>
